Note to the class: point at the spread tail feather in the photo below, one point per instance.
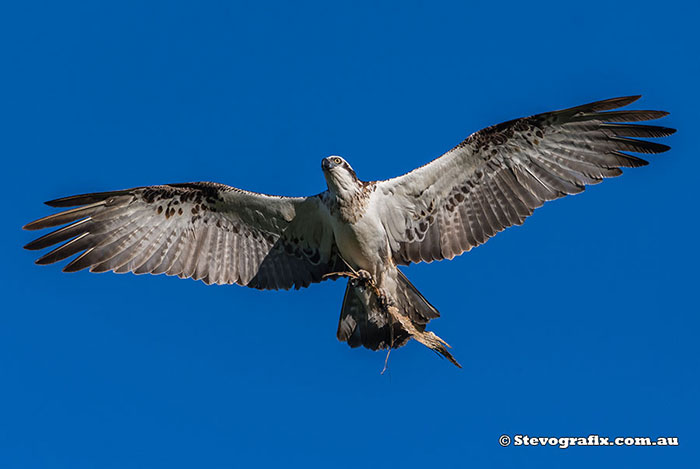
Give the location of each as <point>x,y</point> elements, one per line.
<point>364,322</point>
<point>367,320</point>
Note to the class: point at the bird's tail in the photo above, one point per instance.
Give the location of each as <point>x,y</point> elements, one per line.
<point>365,320</point>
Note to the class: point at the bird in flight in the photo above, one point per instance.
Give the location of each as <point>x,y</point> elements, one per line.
<point>224,235</point>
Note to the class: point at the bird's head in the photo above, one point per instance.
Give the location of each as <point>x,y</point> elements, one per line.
<point>340,176</point>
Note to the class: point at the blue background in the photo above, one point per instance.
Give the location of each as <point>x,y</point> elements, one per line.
<point>582,321</point>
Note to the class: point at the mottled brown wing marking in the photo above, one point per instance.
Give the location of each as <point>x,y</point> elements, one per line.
<point>205,231</point>
<point>497,177</point>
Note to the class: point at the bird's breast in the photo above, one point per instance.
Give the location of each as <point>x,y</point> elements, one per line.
<point>362,243</point>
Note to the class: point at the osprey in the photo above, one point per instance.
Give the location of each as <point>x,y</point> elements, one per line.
<point>219,234</point>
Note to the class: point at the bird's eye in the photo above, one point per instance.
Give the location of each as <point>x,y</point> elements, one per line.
<point>337,160</point>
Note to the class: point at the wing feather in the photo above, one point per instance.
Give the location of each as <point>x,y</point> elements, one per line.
<point>205,231</point>
<point>499,175</point>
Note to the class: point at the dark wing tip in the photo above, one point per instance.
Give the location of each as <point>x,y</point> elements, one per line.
<point>34,225</point>
<point>73,266</point>
<point>84,199</point>
<point>623,100</point>
<point>43,261</point>
<point>63,202</point>
<point>659,148</point>
<point>32,245</point>
<point>612,103</point>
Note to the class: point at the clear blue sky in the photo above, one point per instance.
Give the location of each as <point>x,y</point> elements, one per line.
<point>582,321</point>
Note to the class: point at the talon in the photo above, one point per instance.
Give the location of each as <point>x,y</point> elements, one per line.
<point>363,279</point>
<point>364,275</point>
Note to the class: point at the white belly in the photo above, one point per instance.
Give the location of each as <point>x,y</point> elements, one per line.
<point>362,244</point>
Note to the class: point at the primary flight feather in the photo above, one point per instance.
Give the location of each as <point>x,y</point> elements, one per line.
<point>219,234</point>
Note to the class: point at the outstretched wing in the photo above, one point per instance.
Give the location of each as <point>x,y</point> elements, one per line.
<point>206,231</point>
<point>499,175</point>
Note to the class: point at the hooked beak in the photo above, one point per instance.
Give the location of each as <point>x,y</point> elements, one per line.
<point>325,164</point>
